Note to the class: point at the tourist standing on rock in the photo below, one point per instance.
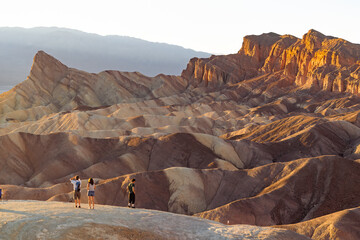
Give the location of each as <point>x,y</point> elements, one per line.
<point>77,184</point>
<point>91,192</point>
<point>131,189</point>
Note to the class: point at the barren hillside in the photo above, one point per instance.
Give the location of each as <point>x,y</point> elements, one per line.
<point>267,136</point>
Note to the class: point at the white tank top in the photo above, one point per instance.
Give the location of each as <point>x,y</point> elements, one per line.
<point>91,187</point>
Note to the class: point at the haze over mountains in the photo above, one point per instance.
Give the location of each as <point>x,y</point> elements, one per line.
<point>85,51</point>
<point>268,136</point>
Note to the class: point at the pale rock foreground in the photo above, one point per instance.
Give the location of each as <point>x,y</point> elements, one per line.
<point>57,220</point>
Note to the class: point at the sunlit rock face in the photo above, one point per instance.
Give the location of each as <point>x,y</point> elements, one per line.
<point>315,61</point>
<point>266,136</point>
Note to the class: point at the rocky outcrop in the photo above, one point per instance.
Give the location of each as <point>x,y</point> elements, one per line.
<point>216,71</point>
<point>323,62</point>
<point>275,59</point>
<point>315,61</point>
<point>258,48</point>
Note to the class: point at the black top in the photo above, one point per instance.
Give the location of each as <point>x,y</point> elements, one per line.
<point>130,187</point>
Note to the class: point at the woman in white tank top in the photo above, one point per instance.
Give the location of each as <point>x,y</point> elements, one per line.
<point>91,192</point>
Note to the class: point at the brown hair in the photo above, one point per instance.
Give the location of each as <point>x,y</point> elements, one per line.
<point>91,181</point>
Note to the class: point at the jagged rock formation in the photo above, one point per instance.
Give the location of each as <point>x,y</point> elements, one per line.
<point>267,136</point>
<point>315,61</point>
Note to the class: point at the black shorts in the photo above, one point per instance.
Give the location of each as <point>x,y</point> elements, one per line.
<point>77,195</point>
<point>132,198</point>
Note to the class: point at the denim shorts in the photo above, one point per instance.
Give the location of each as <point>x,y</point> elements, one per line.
<point>91,193</point>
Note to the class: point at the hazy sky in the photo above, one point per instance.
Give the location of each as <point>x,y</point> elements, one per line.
<point>206,25</point>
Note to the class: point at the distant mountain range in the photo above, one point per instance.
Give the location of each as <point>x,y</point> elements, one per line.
<point>88,52</point>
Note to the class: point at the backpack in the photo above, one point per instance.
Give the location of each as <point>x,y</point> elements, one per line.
<point>77,188</point>
<point>130,187</point>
